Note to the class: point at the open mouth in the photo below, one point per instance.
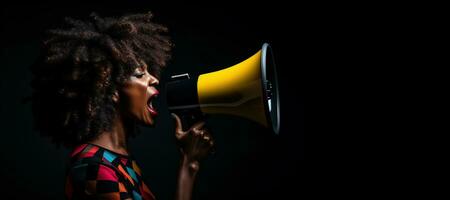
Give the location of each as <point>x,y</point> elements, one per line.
<point>150,107</point>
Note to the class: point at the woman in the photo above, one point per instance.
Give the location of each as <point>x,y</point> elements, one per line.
<point>97,81</point>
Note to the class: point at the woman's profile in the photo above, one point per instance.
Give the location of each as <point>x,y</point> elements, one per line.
<point>96,82</point>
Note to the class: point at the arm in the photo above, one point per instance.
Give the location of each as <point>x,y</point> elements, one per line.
<point>186,178</point>
<point>194,145</point>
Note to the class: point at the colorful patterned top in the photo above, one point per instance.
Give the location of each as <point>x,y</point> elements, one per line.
<point>98,173</point>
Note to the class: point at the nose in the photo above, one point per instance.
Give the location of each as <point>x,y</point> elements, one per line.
<point>153,80</point>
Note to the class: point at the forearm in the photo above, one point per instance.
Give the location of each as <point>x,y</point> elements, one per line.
<point>186,178</point>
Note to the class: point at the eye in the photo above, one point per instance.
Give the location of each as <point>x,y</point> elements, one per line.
<point>139,75</point>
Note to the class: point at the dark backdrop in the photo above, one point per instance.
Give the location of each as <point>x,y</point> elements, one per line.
<point>250,162</point>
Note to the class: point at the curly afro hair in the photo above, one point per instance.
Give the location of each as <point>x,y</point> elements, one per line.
<point>83,64</point>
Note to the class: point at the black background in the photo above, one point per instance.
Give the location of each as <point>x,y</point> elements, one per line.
<point>250,162</point>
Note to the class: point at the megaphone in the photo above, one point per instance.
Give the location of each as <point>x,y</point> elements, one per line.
<point>248,90</point>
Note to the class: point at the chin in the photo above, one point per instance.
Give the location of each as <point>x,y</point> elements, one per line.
<point>146,118</point>
<point>148,123</point>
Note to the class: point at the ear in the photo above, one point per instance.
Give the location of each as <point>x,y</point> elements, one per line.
<point>115,97</point>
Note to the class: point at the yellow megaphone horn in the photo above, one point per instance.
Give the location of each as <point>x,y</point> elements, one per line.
<point>248,90</point>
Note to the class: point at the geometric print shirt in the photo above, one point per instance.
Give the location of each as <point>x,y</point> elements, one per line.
<point>98,173</point>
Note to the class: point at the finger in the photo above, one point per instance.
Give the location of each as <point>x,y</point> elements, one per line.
<point>202,133</point>
<point>178,125</point>
<point>197,126</point>
<point>205,136</point>
<point>198,135</point>
<point>206,140</point>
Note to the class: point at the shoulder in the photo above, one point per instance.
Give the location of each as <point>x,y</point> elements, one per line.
<point>93,171</point>
<point>93,179</point>
<point>88,173</point>
<point>91,162</point>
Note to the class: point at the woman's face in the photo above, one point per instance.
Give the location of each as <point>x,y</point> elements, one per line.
<point>137,94</point>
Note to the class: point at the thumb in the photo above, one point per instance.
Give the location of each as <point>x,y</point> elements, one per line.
<point>178,125</point>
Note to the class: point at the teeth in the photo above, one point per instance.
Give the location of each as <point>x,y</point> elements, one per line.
<point>150,104</point>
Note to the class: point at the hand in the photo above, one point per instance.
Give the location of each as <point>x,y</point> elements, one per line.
<point>195,143</point>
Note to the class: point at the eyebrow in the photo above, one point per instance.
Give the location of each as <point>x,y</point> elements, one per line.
<point>141,68</point>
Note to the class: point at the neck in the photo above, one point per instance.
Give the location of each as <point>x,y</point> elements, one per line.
<point>115,139</point>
